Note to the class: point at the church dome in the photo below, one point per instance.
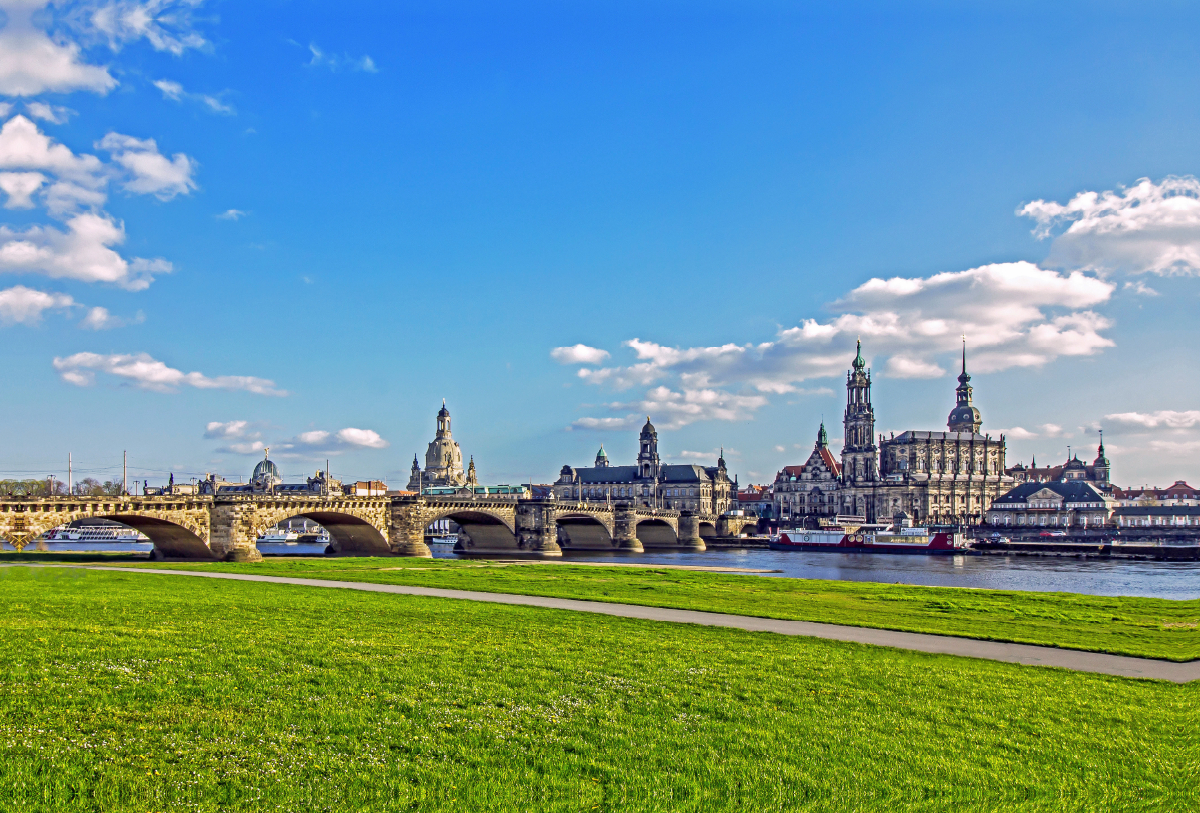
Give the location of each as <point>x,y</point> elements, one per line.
<point>648,428</point>
<point>965,418</point>
<point>264,468</point>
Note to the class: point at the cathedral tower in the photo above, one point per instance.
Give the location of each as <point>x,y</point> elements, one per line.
<point>859,453</point>
<point>964,417</point>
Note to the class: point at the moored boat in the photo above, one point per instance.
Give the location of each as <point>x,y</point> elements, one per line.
<point>898,537</point>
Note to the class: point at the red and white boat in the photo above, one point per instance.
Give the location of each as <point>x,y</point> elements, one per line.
<point>899,537</point>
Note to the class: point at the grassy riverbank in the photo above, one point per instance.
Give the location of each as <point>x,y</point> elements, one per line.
<point>1142,627</point>
<point>124,692</point>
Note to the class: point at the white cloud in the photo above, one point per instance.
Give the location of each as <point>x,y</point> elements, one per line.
<point>174,91</point>
<point>165,24</point>
<point>170,90</point>
<point>1013,314</point>
<point>1146,228</point>
<point>24,147</point>
<point>148,373</point>
<point>253,447</point>
<point>364,438</point>
<point>578,354</point>
<point>1140,288</point>
<point>1017,433</point>
<point>231,214</point>
<point>149,171</point>
<point>21,305</point>
<point>20,186</point>
<point>1051,430</point>
<point>54,114</point>
<point>99,318</point>
<point>226,430</point>
<point>902,367</point>
<point>670,409</point>
<point>32,63</point>
<point>337,62</point>
<point>33,167</point>
<point>710,457</point>
<point>1165,419</point>
<point>83,252</point>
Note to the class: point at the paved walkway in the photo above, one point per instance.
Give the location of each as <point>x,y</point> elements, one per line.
<point>940,644</point>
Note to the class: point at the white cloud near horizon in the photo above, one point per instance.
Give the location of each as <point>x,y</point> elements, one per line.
<point>146,372</point>
<point>1164,419</point>
<point>305,444</point>
<point>1013,314</point>
<point>1144,228</point>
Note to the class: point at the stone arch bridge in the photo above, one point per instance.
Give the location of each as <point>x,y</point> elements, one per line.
<point>227,527</point>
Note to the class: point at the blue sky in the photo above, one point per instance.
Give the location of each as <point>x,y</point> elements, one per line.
<point>302,225</point>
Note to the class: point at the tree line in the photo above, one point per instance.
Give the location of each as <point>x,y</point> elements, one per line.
<point>87,487</point>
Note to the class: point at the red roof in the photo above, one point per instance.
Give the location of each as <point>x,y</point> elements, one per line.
<point>831,461</point>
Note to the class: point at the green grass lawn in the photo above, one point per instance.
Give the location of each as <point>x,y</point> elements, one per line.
<point>128,693</point>
<point>1143,627</point>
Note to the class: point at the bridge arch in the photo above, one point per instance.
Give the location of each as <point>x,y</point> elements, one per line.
<point>171,539</point>
<point>348,531</point>
<point>654,532</point>
<point>584,531</point>
<point>707,529</point>
<point>478,529</point>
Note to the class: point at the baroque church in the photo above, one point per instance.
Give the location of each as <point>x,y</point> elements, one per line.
<point>706,490</point>
<point>443,461</point>
<point>948,476</point>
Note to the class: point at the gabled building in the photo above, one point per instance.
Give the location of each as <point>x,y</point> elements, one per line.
<point>810,489</point>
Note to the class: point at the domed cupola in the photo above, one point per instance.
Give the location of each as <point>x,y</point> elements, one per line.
<point>964,417</point>
<point>601,458</point>
<point>266,474</point>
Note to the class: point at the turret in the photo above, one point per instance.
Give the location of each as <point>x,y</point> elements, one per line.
<point>648,462</point>
<point>964,417</point>
<point>601,458</point>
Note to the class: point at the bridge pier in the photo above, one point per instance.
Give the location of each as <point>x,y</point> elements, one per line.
<point>232,537</point>
<point>625,528</point>
<point>537,529</point>
<point>406,528</point>
<point>689,532</point>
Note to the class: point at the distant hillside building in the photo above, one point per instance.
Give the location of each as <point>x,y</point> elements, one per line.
<point>708,491</point>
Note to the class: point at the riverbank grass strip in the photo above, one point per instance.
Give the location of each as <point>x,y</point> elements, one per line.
<point>1139,627</point>
<point>124,693</point>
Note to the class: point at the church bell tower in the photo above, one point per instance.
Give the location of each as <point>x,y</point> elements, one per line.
<point>648,462</point>
<point>859,454</point>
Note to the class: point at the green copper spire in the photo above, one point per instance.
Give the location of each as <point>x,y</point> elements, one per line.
<point>822,436</point>
<point>858,359</point>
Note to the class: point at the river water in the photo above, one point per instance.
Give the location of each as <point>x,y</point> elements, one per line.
<point>1102,577</point>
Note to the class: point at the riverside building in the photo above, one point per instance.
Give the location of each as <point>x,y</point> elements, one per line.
<point>705,490</point>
